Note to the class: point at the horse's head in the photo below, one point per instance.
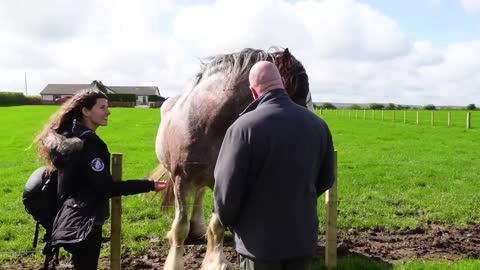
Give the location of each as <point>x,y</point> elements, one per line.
<point>295,76</point>
<point>236,67</point>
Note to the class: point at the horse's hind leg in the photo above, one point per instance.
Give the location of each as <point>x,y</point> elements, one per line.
<point>215,258</point>
<point>198,227</point>
<point>179,230</point>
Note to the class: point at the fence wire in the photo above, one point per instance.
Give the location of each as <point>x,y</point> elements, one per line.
<point>392,162</point>
<point>474,200</point>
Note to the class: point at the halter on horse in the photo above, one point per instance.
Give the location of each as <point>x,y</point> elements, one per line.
<point>191,133</point>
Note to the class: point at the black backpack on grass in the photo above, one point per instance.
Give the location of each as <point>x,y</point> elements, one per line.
<point>40,200</point>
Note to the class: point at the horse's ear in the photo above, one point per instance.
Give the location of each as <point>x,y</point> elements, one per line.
<point>286,58</point>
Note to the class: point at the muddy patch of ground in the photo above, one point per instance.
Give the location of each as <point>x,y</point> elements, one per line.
<point>437,242</point>
<point>390,246</point>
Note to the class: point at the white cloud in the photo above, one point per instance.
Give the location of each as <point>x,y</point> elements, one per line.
<point>48,20</point>
<point>352,52</point>
<point>471,5</point>
<point>233,25</point>
<point>346,29</point>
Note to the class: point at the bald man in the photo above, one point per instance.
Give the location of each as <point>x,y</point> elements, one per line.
<point>263,77</point>
<point>275,161</point>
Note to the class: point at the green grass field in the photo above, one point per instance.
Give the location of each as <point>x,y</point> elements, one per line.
<point>406,174</point>
<point>391,175</point>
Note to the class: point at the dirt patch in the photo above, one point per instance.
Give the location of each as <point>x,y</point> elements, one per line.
<point>389,246</point>
<point>436,242</point>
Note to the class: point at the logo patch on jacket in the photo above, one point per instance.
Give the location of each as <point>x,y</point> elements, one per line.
<point>97,164</point>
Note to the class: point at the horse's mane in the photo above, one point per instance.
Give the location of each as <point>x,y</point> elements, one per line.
<point>235,65</point>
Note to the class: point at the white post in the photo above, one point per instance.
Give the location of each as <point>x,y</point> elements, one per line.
<point>469,119</point>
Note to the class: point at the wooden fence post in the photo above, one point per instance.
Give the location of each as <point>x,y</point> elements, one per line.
<point>364,114</point>
<point>433,119</point>
<point>449,119</point>
<point>331,238</point>
<point>418,119</point>
<point>404,117</point>
<point>116,219</point>
<point>393,115</point>
<point>382,114</point>
<point>469,119</point>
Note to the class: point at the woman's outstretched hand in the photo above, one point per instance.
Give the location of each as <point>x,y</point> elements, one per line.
<point>159,185</point>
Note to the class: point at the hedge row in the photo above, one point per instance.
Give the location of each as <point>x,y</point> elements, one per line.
<point>121,97</point>
<point>156,98</point>
<point>11,98</point>
<point>17,98</point>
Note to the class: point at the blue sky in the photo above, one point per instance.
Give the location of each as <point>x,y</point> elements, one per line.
<point>355,51</point>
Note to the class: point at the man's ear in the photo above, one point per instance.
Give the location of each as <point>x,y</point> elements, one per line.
<point>254,93</point>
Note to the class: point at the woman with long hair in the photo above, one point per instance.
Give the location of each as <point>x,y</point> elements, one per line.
<point>69,145</point>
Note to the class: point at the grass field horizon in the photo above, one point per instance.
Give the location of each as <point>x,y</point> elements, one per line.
<point>391,175</point>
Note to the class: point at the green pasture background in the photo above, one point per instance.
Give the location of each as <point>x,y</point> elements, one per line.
<point>390,175</point>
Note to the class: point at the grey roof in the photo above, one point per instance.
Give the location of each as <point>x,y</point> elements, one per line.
<point>70,89</point>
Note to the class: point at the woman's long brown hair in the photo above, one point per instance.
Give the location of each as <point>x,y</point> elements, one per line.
<point>70,110</point>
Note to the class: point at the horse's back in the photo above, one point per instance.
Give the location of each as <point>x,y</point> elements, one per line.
<point>191,132</point>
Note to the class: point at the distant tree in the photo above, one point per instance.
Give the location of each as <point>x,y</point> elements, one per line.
<point>355,107</point>
<point>471,107</point>
<point>429,107</point>
<point>390,106</point>
<point>403,107</point>
<point>376,106</point>
<point>327,105</point>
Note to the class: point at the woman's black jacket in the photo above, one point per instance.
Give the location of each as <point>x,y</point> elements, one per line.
<point>84,183</point>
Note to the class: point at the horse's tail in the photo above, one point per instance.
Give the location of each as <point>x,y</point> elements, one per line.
<point>168,196</point>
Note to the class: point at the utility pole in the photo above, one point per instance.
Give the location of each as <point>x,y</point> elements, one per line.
<point>26,90</point>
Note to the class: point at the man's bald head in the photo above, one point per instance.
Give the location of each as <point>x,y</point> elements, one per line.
<point>264,76</point>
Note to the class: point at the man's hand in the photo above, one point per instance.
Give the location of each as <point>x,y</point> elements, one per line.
<point>159,185</point>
